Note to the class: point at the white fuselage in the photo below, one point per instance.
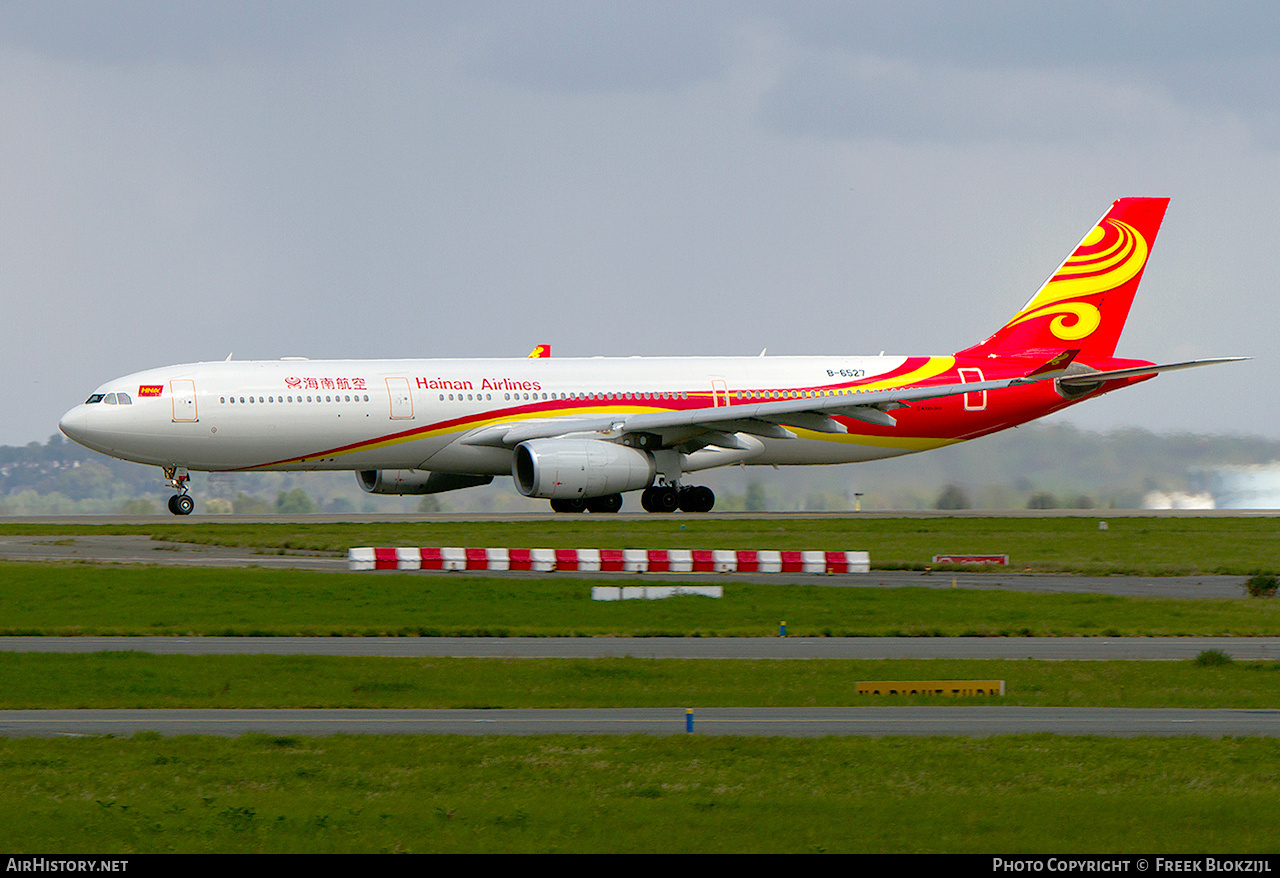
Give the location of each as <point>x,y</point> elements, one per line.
<point>409,414</point>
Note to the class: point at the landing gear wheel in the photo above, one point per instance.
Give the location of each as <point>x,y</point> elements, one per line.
<point>696,499</point>
<point>660,498</point>
<point>176,477</point>
<point>607,503</point>
<point>568,506</point>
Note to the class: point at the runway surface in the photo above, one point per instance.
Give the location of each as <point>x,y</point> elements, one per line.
<point>141,549</point>
<point>782,648</point>
<point>776,722</point>
<point>545,514</point>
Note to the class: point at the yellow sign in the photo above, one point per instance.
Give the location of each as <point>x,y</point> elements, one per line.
<point>932,687</point>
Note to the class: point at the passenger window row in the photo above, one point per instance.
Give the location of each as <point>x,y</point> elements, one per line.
<point>278,399</point>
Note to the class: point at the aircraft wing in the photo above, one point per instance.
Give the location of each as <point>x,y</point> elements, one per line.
<point>510,434</point>
<point>810,413</point>
<point>761,418</point>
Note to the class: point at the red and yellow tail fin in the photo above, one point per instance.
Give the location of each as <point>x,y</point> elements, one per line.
<point>1085,303</point>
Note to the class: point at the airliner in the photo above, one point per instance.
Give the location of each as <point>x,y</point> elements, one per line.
<point>583,432</point>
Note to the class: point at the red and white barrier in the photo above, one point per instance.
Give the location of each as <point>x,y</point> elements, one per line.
<point>610,560</point>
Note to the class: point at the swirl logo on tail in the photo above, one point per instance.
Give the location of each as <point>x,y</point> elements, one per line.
<point>1109,256</point>
<point>1085,302</point>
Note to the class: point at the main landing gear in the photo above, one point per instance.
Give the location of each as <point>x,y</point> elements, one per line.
<point>176,477</point>
<point>607,503</point>
<point>668,498</point>
<point>659,498</point>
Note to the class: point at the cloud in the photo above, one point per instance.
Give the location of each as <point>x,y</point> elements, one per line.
<point>461,179</point>
<point>559,46</point>
<point>843,96</point>
<point>1037,72</point>
<point>190,33</point>
<point>592,47</point>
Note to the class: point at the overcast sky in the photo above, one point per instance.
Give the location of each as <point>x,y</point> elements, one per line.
<point>184,180</point>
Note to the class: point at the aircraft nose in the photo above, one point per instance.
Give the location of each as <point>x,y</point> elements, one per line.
<point>77,425</point>
<point>72,423</point>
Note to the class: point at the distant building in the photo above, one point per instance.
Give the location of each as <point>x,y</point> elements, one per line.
<point>1241,487</point>
<point>1178,500</point>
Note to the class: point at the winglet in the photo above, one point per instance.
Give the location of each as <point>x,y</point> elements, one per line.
<point>540,351</point>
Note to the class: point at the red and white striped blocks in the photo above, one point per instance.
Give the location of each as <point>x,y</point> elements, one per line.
<point>610,560</point>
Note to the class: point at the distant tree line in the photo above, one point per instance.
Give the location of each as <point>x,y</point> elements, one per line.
<point>1039,466</point>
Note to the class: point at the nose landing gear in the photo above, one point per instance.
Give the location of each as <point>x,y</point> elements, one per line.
<point>176,477</point>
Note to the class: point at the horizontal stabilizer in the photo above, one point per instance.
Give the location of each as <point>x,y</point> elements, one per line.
<point>1085,379</point>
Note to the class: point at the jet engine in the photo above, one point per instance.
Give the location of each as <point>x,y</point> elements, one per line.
<point>579,469</point>
<point>415,481</point>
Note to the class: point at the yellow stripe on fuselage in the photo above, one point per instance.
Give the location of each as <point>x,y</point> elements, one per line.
<point>935,367</point>
<point>908,443</point>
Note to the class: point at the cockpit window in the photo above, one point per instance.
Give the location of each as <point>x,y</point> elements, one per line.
<point>110,399</point>
<point>97,397</point>
<point>123,399</point>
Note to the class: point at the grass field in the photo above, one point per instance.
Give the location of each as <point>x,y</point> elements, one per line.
<point>78,599</point>
<point>421,794</point>
<point>137,680</point>
<point>620,794</point>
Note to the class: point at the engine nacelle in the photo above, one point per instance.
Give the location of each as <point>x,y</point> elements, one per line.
<point>578,469</point>
<point>415,481</point>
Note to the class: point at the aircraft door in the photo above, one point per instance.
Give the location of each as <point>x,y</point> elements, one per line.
<point>719,392</point>
<point>183,393</point>
<point>973,402</point>
<point>401,398</point>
